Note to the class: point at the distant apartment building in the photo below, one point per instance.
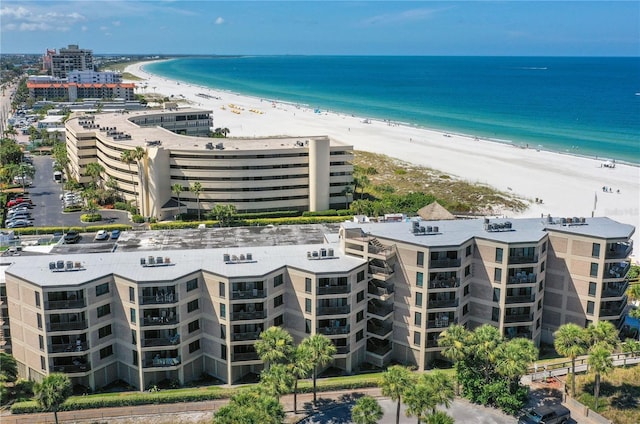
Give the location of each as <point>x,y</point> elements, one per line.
<point>71,58</point>
<point>71,91</point>
<point>382,292</point>
<point>94,77</point>
<point>253,174</point>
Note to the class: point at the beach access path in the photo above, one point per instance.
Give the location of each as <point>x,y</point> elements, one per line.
<point>565,185</point>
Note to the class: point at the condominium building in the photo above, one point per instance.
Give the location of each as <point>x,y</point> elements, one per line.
<point>72,91</point>
<point>381,292</point>
<point>71,58</point>
<point>253,174</point>
<point>94,77</point>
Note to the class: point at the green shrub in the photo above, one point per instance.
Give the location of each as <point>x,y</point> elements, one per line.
<point>275,214</point>
<point>138,219</point>
<point>72,209</point>
<point>122,206</point>
<point>51,230</point>
<point>329,212</point>
<point>177,225</point>
<point>90,217</point>
<point>400,171</point>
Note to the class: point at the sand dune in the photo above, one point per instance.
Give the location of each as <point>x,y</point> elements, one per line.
<point>568,185</point>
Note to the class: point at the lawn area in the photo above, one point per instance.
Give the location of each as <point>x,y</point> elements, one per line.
<point>619,394</point>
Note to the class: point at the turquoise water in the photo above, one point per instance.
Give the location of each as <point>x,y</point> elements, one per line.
<point>583,106</point>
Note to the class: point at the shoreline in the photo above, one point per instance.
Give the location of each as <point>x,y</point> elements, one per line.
<point>568,184</point>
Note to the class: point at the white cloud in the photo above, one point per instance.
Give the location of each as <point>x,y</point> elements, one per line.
<point>219,20</point>
<point>116,23</point>
<point>17,13</point>
<point>30,19</point>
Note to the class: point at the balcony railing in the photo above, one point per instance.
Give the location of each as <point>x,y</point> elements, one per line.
<point>246,316</point>
<point>380,310</point>
<point>249,335</point>
<point>339,289</point>
<point>518,318</point>
<point>443,322</point>
<point>71,369</point>
<point>160,341</point>
<point>159,321</point>
<point>159,299</point>
<point>609,309</point>
<point>332,331</point>
<point>248,294</point>
<point>387,251</point>
<point>617,271</point>
<point>333,310</point>
<point>382,330</point>
<point>68,347</point>
<point>386,270</point>
<point>245,356</point>
<point>342,350</point>
<point>517,334</point>
<point>379,349</point>
<point>444,263</point>
<point>380,291</point>
<point>432,343</point>
<point>522,278</point>
<point>162,362</point>
<point>615,289</point>
<point>519,259</point>
<point>64,304</point>
<point>66,326</point>
<point>447,283</point>
<point>520,299</point>
<point>618,251</point>
<point>444,303</point>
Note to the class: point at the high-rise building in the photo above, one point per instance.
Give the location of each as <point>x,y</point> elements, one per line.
<point>69,59</point>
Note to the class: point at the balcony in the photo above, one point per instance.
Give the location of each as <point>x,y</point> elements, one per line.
<point>247,316</point>
<point>68,326</point>
<point>380,289</point>
<point>68,347</point>
<point>65,304</point>
<point>612,309</point>
<point>520,298</point>
<point>447,283</point>
<point>380,348</point>
<point>442,303</point>
<point>379,328</point>
<point>518,318</point>
<point>444,263</point>
<point>248,294</point>
<point>159,299</point>
<point>442,322</point>
<point>522,278</point>
<point>162,362</point>
<point>334,289</point>
<point>334,331</point>
<point>378,249</point>
<point>159,320</point>
<point>342,350</point>
<point>161,341</point>
<point>517,332</point>
<point>431,343</point>
<point>382,310</point>
<point>616,270</point>
<point>381,268</point>
<point>618,250</point>
<point>72,369</point>
<point>333,310</point>
<point>617,289</point>
<point>244,356</point>
<point>245,335</point>
<point>523,259</point>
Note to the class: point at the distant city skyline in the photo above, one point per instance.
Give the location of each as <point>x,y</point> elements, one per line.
<point>166,27</point>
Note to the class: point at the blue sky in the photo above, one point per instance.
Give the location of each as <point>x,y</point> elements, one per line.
<point>511,28</point>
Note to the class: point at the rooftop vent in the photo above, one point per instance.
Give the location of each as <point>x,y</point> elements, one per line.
<point>156,261</point>
<point>243,258</point>
<point>323,253</point>
<point>64,266</point>
<point>421,230</point>
<point>497,227</point>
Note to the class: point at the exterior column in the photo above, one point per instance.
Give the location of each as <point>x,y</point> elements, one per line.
<point>319,164</point>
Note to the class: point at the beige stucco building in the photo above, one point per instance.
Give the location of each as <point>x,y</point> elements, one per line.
<point>380,292</point>
<point>255,175</point>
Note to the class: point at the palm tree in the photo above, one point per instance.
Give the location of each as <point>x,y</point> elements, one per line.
<point>395,381</point>
<point>52,392</point>
<point>571,341</point>
<point>277,380</point>
<point>347,192</point>
<point>177,189</point>
<point>138,155</point>
<point>441,387</point>
<point>275,345</point>
<point>439,417</point>
<point>367,410</point>
<point>603,332</point>
<point>484,341</point>
<point>127,157</point>
<point>630,346</point>
<point>418,398</point>
<point>300,367</point>
<point>250,406</point>
<point>600,363</point>
<point>8,368</point>
<point>223,213</point>
<point>454,340</point>
<point>321,351</point>
<point>514,358</point>
<point>94,170</point>
<point>196,188</point>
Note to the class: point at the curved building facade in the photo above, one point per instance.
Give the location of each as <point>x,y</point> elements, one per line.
<point>253,174</point>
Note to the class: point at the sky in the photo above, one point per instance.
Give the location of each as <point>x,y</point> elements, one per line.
<point>452,28</point>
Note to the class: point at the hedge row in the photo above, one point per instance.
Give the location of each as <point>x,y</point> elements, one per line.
<point>171,396</point>
<point>275,214</point>
<point>294,220</point>
<point>88,229</point>
<point>329,212</point>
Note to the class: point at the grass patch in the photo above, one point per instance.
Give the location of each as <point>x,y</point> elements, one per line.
<point>619,394</point>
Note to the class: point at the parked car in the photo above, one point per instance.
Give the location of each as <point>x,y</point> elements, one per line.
<point>102,235</point>
<point>19,223</point>
<point>17,201</point>
<point>549,414</point>
<point>14,211</point>
<point>21,205</point>
<point>21,216</point>
<point>115,234</point>
<point>72,237</point>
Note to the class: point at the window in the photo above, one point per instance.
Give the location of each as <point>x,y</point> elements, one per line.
<point>41,341</point>
<point>468,251</point>
<point>132,295</point>
<point>194,346</point>
<point>537,323</point>
<point>134,337</point>
<point>307,305</point>
<point>417,319</point>
<point>39,318</point>
<point>594,269</point>
<point>102,289</point>
<point>359,335</point>
<point>465,291</point>
<point>360,276</point>
<point>278,280</point>
<point>192,284</point>
<point>595,250</point>
<point>359,316</point>
<point>194,326</point>
<point>106,351</point>
<point>132,313</point>
<point>223,310</point>
<point>418,299</point>
<point>420,259</point>
<point>496,295</point>
<point>499,253</point>
<point>223,352</point>
<point>467,270</point>
<point>104,310</point>
<point>497,275</point>
<point>360,296</point>
<point>465,309</point>
<point>416,338</point>
<point>307,285</point>
<point>307,326</point>
<point>419,279</point>
<point>37,299</point>
<point>223,331</point>
<point>592,288</point>
<point>495,314</point>
<point>541,285</point>
<point>539,304</point>
<point>43,363</point>
<point>222,290</point>
<point>590,306</point>
<point>278,301</point>
<point>279,320</point>
<point>104,331</point>
<point>134,354</point>
<point>544,247</point>
<point>542,266</point>
<point>193,305</point>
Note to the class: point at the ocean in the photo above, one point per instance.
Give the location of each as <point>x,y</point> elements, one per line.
<point>577,105</point>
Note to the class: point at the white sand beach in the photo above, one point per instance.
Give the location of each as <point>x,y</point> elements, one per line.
<point>568,185</point>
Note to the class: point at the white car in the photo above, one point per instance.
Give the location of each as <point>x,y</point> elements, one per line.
<point>102,235</point>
